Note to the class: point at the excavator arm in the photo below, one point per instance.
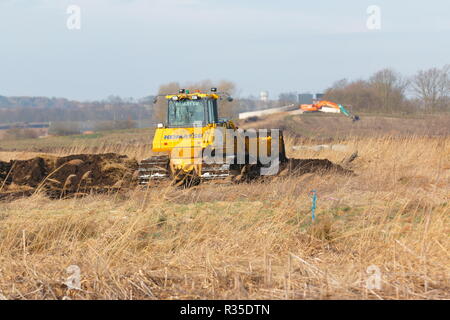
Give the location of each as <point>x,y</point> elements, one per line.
<point>347,113</point>
<point>329,107</point>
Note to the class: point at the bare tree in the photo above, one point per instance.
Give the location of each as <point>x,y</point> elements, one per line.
<point>357,94</point>
<point>227,109</point>
<point>160,108</point>
<point>383,92</point>
<point>340,84</point>
<point>432,87</point>
<point>389,88</point>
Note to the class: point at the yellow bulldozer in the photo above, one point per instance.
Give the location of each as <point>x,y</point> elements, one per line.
<point>195,144</point>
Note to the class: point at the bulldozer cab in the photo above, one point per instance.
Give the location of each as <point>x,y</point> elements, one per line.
<point>191,110</point>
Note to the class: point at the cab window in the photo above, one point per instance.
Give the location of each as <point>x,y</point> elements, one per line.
<point>212,111</point>
<point>184,113</point>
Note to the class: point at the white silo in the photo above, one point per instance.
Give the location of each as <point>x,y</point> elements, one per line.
<point>264,96</point>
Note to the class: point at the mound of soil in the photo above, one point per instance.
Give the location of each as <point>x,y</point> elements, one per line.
<point>4,169</point>
<point>70,174</point>
<point>86,173</point>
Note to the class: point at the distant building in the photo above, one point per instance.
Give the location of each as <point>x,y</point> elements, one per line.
<point>319,96</point>
<point>264,96</point>
<point>305,98</point>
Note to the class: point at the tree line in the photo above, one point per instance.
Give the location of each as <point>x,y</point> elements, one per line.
<point>387,91</point>
<point>31,109</point>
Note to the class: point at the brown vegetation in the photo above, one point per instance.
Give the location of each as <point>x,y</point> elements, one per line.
<point>246,241</point>
<point>319,127</point>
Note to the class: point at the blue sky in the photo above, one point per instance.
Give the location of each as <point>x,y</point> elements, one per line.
<point>130,47</point>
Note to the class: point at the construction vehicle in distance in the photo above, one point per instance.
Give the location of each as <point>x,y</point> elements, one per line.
<point>328,107</point>
<point>195,145</point>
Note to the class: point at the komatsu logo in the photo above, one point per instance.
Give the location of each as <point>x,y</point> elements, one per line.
<point>183,136</point>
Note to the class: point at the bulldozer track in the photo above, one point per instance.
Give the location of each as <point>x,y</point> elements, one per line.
<point>154,168</point>
<point>157,168</point>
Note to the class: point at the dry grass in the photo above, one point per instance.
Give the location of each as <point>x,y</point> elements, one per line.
<point>247,241</point>
<point>324,126</point>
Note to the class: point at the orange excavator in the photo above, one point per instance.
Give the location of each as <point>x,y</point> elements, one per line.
<point>329,107</point>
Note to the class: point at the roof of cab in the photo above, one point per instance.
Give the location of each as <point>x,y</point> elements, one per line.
<point>196,94</point>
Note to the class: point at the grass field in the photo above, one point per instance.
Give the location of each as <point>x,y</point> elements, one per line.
<point>245,241</point>
<point>120,140</point>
